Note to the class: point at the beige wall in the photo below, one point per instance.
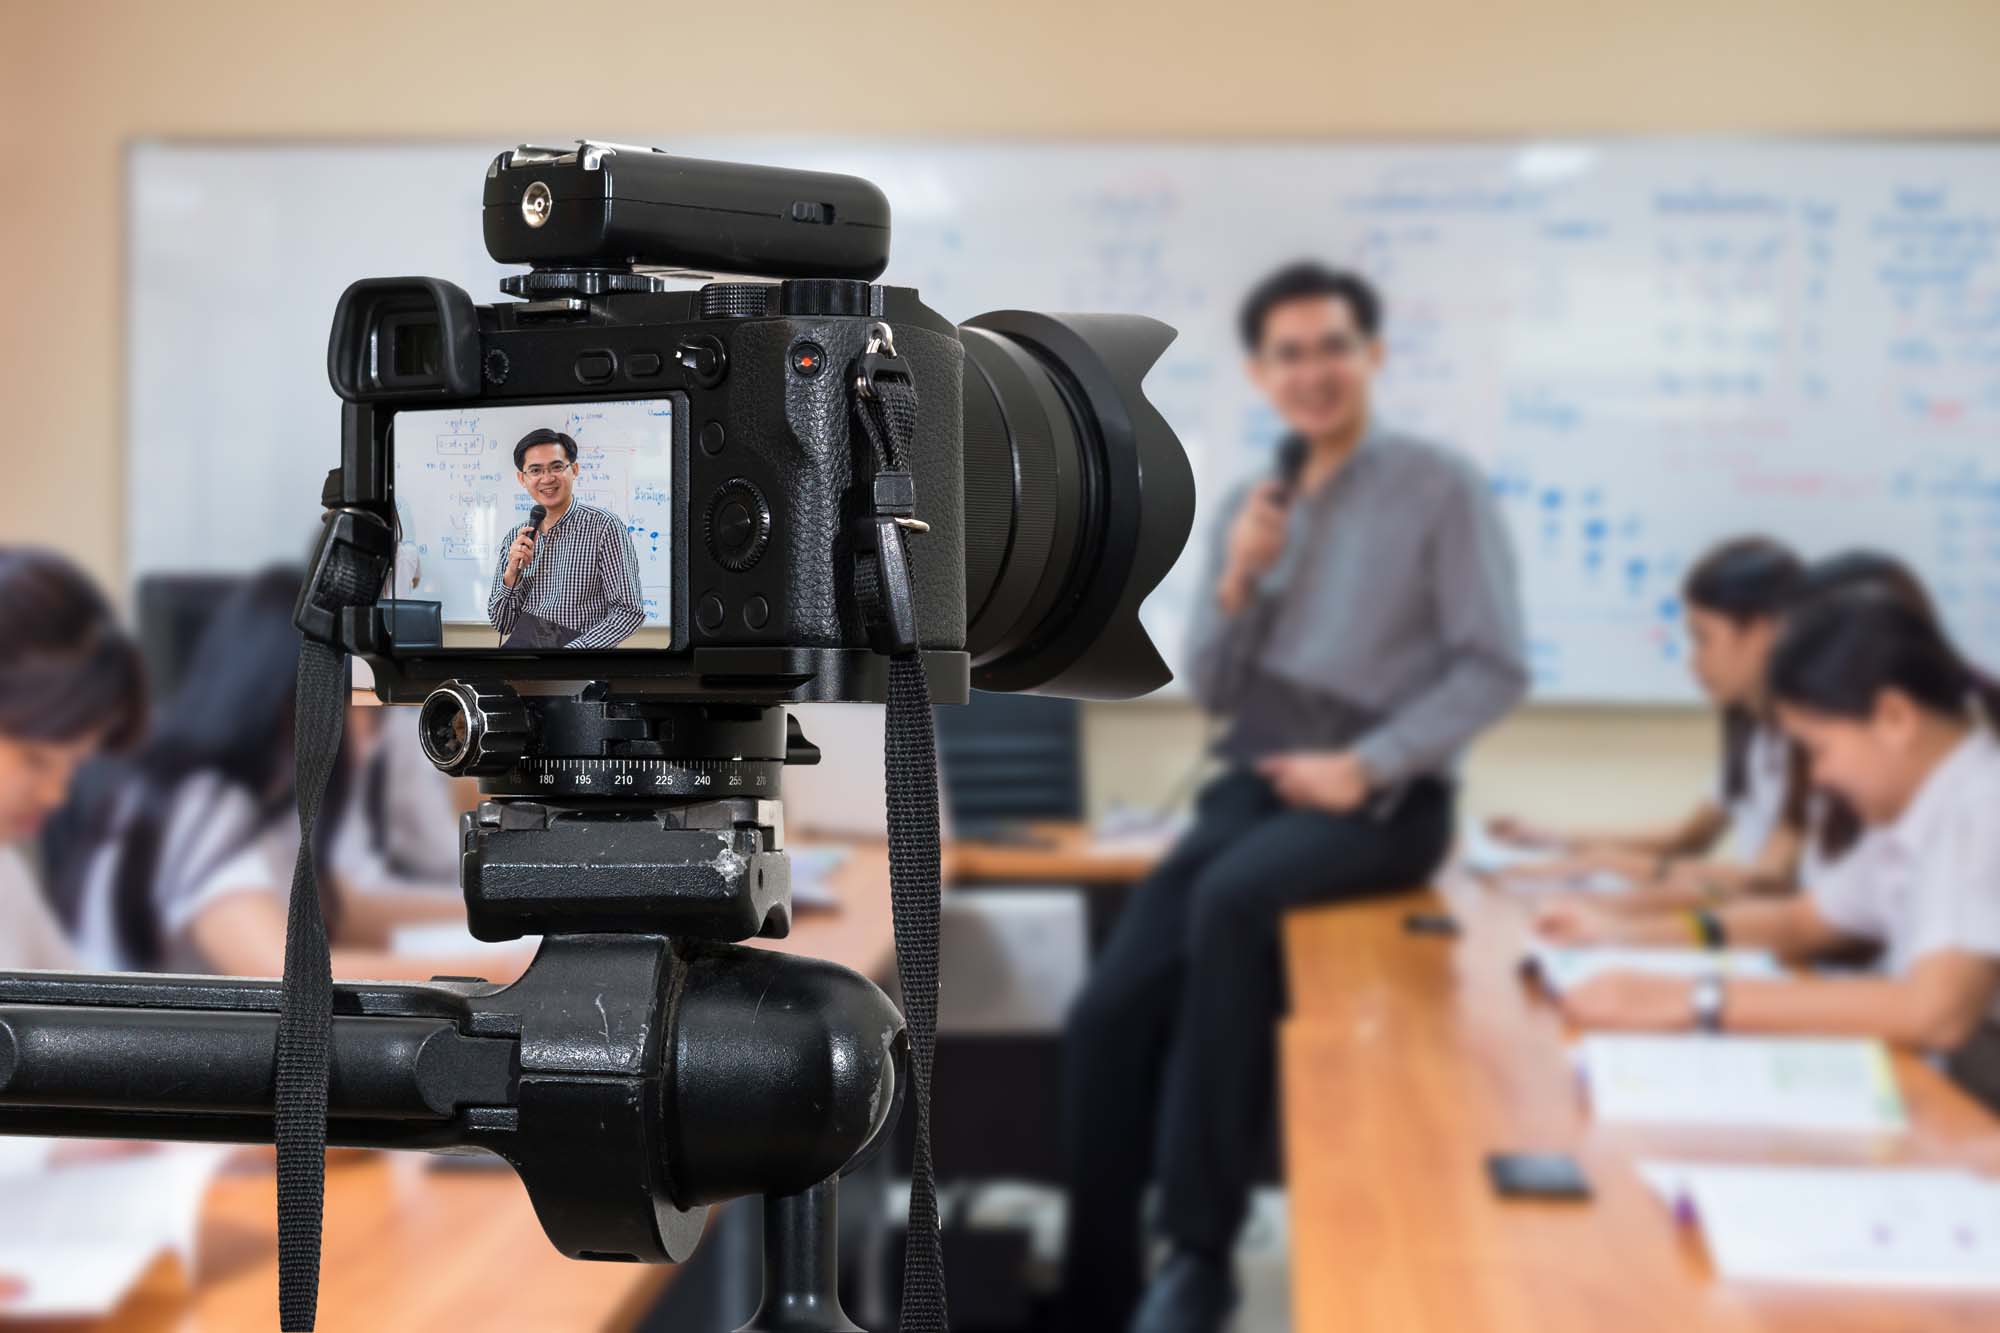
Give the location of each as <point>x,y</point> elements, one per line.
<point>81,79</point>
<point>1592,766</point>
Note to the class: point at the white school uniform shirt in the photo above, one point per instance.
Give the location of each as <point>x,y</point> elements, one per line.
<point>29,935</point>
<point>1930,880</point>
<point>213,843</point>
<point>418,842</point>
<point>1757,813</point>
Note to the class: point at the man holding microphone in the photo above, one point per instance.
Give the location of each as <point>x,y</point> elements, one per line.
<point>1359,626</point>
<point>570,577</point>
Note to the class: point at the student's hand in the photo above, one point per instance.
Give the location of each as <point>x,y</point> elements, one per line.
<point>1640,1001</point>
<point>1334,781</point>
<point>1524,833</point>
<point>519,554</point>
<point>1569,918</point>
<point>12,1289</point>
<point>1256,539</point>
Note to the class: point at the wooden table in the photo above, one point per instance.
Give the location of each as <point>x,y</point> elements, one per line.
<point>1409,1057</point>
<point>1057,852</point>
<point>410,1245</point>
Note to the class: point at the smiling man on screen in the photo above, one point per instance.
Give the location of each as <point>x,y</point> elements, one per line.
<point>572,581</point>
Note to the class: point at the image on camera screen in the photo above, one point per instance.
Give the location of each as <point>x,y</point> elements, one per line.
<point>533,527</point>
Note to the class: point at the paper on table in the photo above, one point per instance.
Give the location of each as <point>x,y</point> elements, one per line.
<point>1563,967</point>
<point>78,1236</point>
<point>813,868</point>
<point>1528,867</point>
<point>1841,1226</point>
<point>24,1156</point>
<point>1803,1083</point>
<point>451,939</point>
<point>1483,854</point>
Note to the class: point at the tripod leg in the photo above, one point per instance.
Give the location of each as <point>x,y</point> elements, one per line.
<point>802,1264</point>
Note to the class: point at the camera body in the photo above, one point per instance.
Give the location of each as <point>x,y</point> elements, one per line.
<point>766,482</point>
<point>1036,501</point>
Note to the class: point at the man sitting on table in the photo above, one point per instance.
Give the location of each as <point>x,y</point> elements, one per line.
<point>574,583</point>
<point>1359,626</point>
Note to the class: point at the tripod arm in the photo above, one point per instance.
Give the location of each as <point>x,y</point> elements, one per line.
<point>629,1079</point>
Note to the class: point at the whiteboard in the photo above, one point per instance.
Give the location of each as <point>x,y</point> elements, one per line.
<point>1647,345</point>
<point>459,499</point>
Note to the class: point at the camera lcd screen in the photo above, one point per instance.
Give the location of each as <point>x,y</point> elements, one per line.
<point>534,527</point>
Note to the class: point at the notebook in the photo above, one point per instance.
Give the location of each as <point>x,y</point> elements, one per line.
<point>1561,968</point>
<point>1801,1083</point>
<point>1844,1226</point>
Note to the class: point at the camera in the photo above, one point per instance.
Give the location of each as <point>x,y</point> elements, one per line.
<point>602,534</point>
<point>705,432</point>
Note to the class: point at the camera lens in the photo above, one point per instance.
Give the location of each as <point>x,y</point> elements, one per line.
<point>1078,499</point>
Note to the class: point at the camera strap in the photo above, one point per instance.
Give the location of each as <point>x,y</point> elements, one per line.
<point>885,403</point>
<point>343,576</point>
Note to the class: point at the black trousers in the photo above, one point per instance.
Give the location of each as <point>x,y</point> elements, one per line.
<point>1171,1051</point>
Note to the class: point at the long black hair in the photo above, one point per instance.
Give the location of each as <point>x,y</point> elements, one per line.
<point>1840,652</point>
<point>232,717</point>
<point>1838,826</point>
<point>66,669</point>
<point>1746,580</point>
<point>1861,568</point>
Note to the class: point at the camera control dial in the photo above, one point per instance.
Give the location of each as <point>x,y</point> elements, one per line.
<point>738,524</point>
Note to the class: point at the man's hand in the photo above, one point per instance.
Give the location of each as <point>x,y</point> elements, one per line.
<point>1334,781</point>
<point>1639,1001</point>
<point>519,554</point>
<point>1256,539</point>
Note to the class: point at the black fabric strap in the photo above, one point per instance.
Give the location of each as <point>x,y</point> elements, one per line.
<point>305,1013</point>
<point>887,409</point>
<point>911,753</point>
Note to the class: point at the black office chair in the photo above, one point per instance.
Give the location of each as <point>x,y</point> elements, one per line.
<point>1009,760</point>
<point>173,611</point>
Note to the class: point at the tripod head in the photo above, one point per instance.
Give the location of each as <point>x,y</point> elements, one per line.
<point>619,814</point>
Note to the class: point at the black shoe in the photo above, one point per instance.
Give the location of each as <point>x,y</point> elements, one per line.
<point>1190,1294</point>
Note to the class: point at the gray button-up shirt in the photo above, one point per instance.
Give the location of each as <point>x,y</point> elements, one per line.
<point>1395,598</point>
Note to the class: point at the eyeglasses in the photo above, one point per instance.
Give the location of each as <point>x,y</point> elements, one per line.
<point>1333,347</point>
<point>555,469</point>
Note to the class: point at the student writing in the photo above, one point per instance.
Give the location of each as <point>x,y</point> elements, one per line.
<point>1735,596</point>
<point>71,684</point>
<point>1895,723</point>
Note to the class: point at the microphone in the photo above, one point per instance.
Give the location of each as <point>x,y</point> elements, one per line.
<point>535,517</point>
<point>1291,461</point>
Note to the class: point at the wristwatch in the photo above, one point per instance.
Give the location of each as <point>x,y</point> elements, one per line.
<point>1707,1000</point>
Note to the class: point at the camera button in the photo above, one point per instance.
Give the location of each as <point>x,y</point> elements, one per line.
<point>711,613</point>
<point>642,365</point>
<point>712,438</point>
<point>756,612</point>
<point>701,355</point>
<point>595,367</point>
<point>808,359</point>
